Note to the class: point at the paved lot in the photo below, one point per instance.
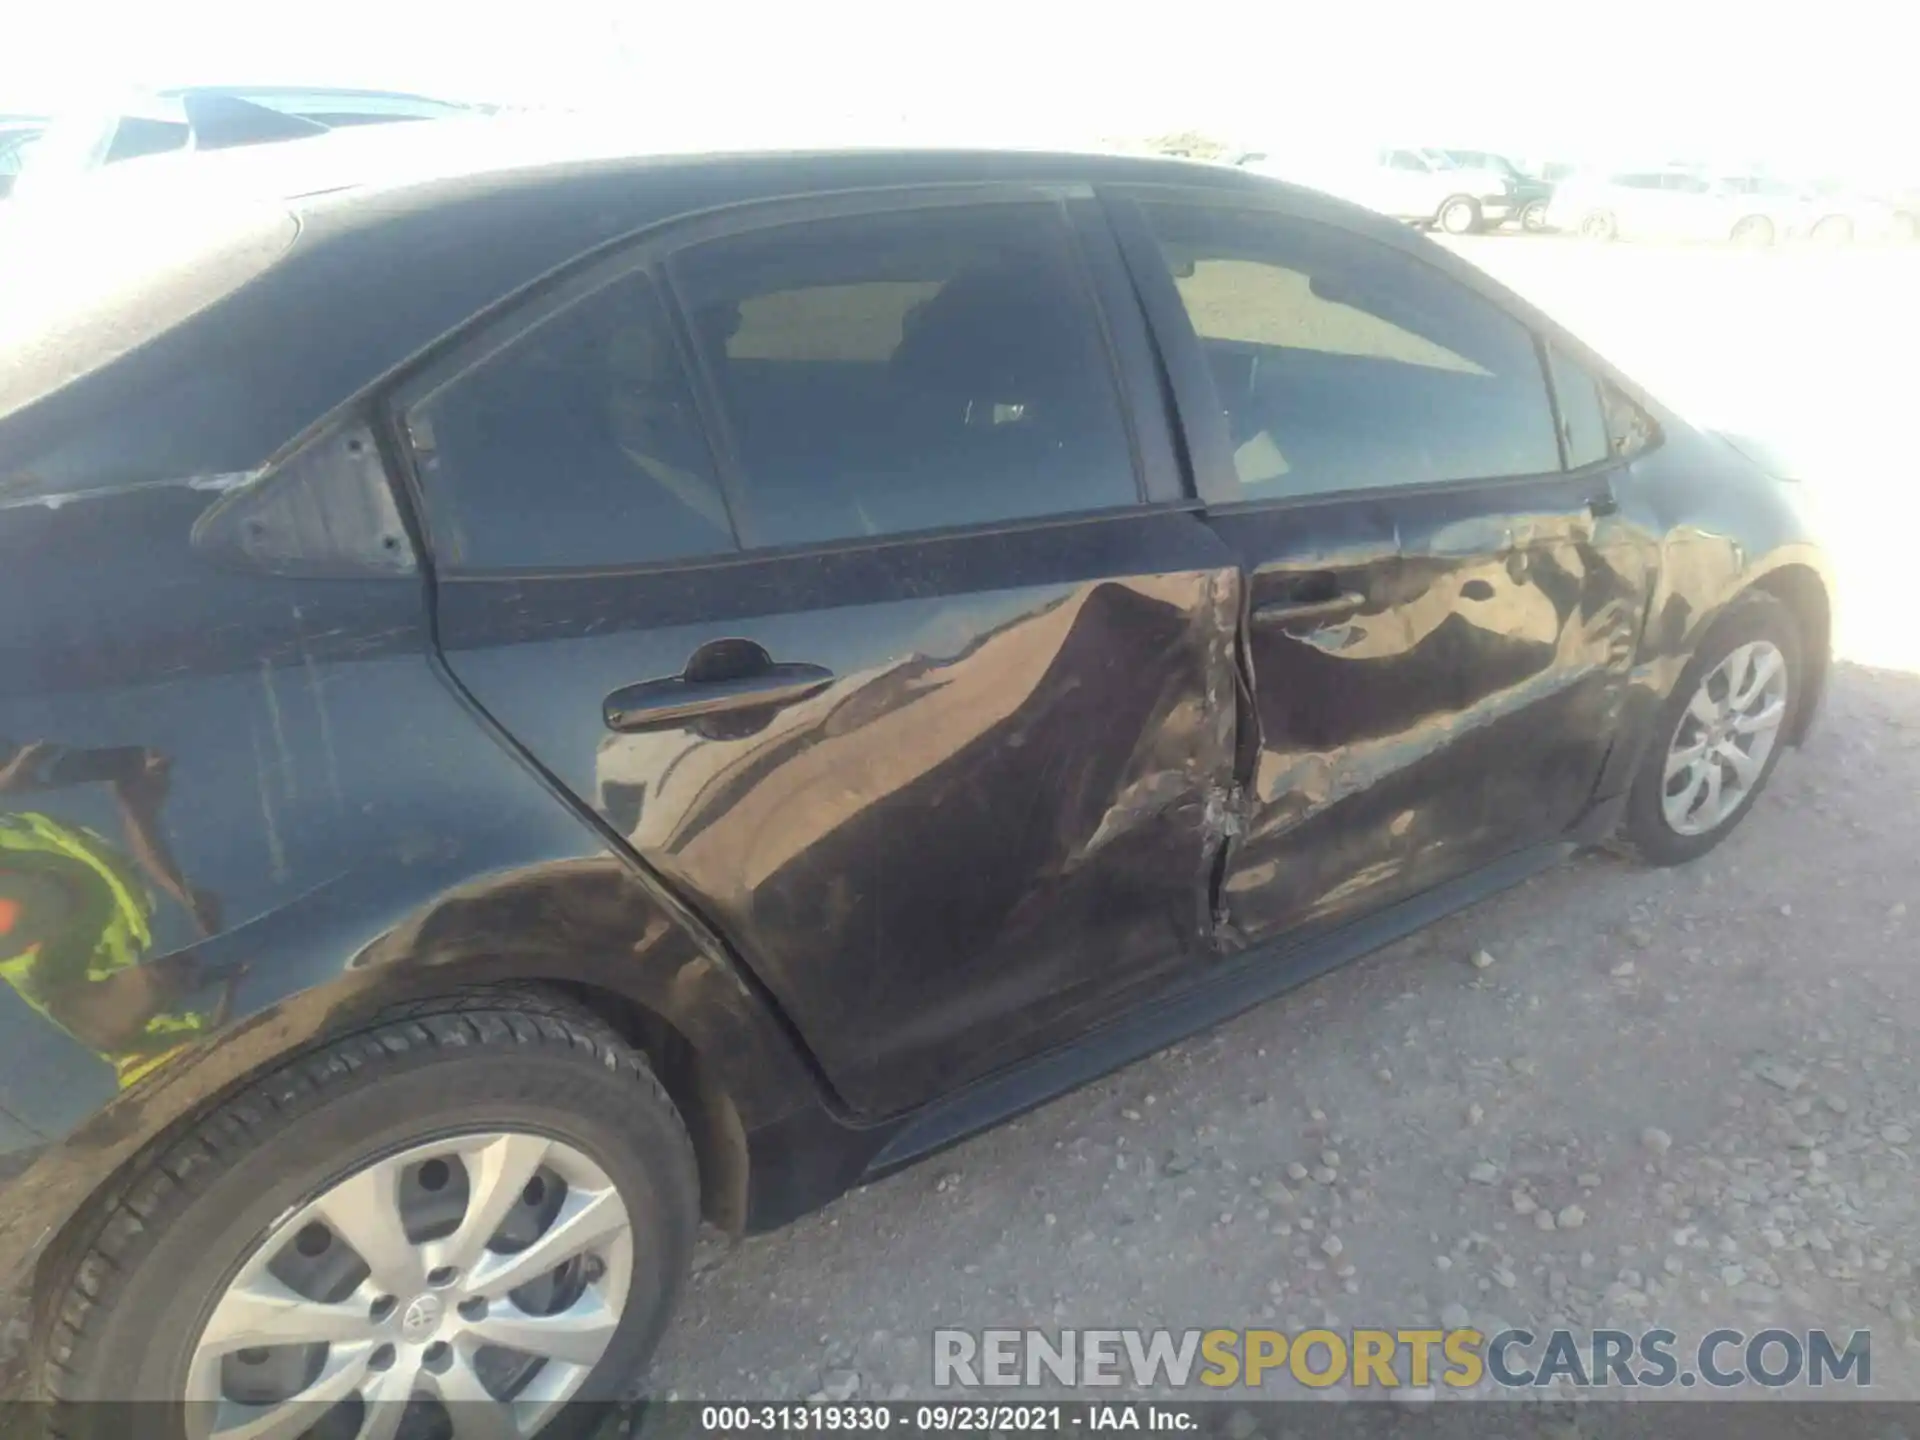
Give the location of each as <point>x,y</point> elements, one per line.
<point>1706,1075</point>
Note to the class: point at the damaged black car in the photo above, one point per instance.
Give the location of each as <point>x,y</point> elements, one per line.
<point>543,705</point>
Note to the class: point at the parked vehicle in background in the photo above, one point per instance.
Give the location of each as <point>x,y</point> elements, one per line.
<point>1671,204</point>
<point>1905,207</point>
<point>1421,187</point>
<point>1531,194</point>
<point>1839,213</point>
<point>546,704</point>
<point>163,122</point>
<point>17,132</point>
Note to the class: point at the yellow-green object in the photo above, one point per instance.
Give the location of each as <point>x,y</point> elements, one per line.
<point>104,932</point>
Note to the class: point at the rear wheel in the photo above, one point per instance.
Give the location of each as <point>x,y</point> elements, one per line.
<point>1533,216</point>
<point>1459,215</point>
<point>475,1217</point>
<point>1753,230</point>
<point>1834,230</point>
<point>1719,736</point>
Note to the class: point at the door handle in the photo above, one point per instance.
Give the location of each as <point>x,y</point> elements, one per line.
<point>1602,504</point>
<point>1295,612</point>
<point>662,704</point>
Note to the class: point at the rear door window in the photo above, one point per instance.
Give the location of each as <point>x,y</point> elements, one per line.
<point>576,444</point>
<point>908,370</point>
<point>1345,364</point>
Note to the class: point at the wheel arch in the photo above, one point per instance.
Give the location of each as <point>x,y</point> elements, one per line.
<point>587,931</point>
<point>1799,582</point>
<point>1684,616</point>
<point>1802,590</point>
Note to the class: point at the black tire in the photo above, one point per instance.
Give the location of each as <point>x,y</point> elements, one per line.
<point>1458,215</point>
<point>162,1248</point>
<point>1644,832</point>
<point>1533,217</point>
<point>1599,225</point>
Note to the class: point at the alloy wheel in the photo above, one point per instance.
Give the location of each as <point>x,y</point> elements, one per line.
<point>481,1277</point>
<point>1719,749</point>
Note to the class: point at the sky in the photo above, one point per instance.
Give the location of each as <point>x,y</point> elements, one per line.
<point>1801,86</point>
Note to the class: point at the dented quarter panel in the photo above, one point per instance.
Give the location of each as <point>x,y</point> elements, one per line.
<point>236,813</point>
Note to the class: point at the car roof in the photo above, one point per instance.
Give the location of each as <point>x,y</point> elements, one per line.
<point>349,259</point>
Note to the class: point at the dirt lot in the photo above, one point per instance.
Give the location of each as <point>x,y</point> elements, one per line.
<point>1705,1076</point>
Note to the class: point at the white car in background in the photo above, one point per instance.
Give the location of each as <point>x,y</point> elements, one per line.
<point>138,126</point>
<point>1421,187</point>
<point>1838,214</point>
<point>1677,204</point>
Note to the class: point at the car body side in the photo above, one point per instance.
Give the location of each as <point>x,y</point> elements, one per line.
<point>331,826</point>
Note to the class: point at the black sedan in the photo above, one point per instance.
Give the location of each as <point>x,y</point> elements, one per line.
<point>543,705</point>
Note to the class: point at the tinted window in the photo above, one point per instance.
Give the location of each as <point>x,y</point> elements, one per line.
<point>909,370</point>
<point>1583,419</point>
<point>1343,364</point>
<point>137,136</point>
<point>574,445</point>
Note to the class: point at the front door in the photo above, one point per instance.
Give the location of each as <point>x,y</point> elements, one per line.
<point>1440,614</point>
<point>871,642</point>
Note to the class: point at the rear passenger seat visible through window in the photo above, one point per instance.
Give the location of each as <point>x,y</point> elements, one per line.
<point>909,371</point>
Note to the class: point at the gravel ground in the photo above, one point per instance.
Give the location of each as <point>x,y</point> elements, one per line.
<point>1681,1097</point>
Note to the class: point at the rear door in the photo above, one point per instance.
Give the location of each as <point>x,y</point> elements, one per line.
<point>1441,610</point>
<point>820,553</point>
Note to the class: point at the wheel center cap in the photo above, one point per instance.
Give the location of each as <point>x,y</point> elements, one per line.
<point>422,1317</point>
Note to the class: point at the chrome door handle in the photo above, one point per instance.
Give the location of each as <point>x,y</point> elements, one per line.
<point>661,704</point>
<point>1296,612</point>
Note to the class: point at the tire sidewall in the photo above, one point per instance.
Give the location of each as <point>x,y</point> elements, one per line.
<point>1458,205</point>
<point>566,1095</point>
<point>1756,617</point>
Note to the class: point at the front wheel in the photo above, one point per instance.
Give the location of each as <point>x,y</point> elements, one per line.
<point>1533,217</point>
<point>1459,215</point>
<point>1719,736</point>
<point>480,1211</point>
<point>1599,225</point>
